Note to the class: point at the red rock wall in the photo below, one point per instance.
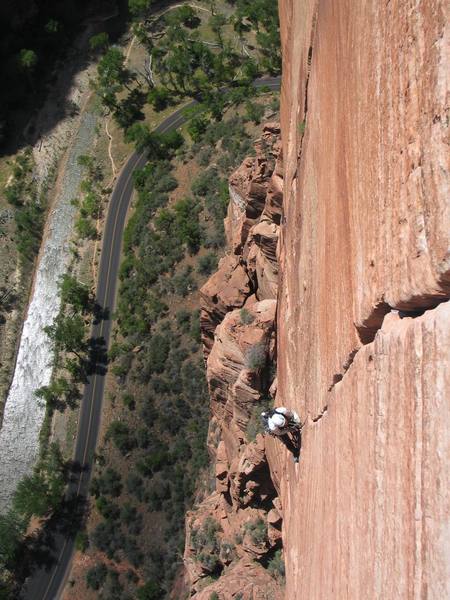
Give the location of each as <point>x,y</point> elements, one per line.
<point>366,232</point>
<point>234,533</point>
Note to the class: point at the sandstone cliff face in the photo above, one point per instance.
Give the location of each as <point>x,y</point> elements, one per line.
<point>364,251</point>
<point>251,226</point>
<point>235,533</point>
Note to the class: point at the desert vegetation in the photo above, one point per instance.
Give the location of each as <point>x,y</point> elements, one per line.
<point>154,451</point>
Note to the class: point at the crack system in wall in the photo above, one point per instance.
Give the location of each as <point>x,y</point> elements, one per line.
<point>302,125</point>
<point>321,414</point>
<point>373,324</point>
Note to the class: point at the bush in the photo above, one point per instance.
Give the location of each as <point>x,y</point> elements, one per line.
<point>207,264</point>
<point>107,509</point>
<point>183,320</point>
<point>109,483</point>
<point>82,541</point>
<point>254,423</point>
<point>255,357</point>
<point>96,576</point>
<point>129,401</point>
<point>206,182</point>
<point>246,317</point>
<point>257,530</point>
<point>276,566</point>
<point>187,223</point>
<point>108,538</point>
<point>121,436</point>
<point>206,544</point>
<point>149,591</point>
<point>85,229</point>
<point>204,157</point>
<point>254,112</point>
<point>135,486</point>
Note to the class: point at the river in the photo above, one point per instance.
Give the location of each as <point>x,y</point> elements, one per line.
<point>23,416</point>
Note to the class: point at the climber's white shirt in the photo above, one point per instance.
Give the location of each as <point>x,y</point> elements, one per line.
<point>278,422</point>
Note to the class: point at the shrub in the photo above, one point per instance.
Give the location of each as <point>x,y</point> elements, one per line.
<point>149,591</point>
<point>184,283</point>
<point>135,485</point>
<point>255,357</point>
<point>206,544</point>
<point>246,316</point>
<point>107,509</point>
<point>129,401</point>
<point>214,596</point>
<point>204,157</point>
<point>108,483</point>
<point>206,182</point>
<point>121,436</point>
<point>82,541</point>
<point>257,530</point>
<point>108,538</point>
<point>227,552</point>
<point>188,226</point>
<point>207,264</point>
<point>183,320</point>
<point>254,112</point>
<point>96,576</point>
<point>276,566</point>
<point>254,423</point>
<point>85,229</point>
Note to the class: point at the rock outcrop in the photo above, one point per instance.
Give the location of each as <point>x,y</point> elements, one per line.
<point>252,226</point>
<point>364,252</point>
<point>234,534</point>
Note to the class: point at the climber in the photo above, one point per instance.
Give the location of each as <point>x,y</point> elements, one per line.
<point>280,422</point>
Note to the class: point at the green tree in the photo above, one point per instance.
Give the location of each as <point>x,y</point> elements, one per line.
<point>91,206</point>
<point>59,394</point>
<point>75,293</point>
<point>121,436</point>
<point>139,7</point>
<point>85,229</point>
<point>40,493</point>
<point>68,334</point>
<point>140,135</point>
<point>99,42</point>
<point>188,226</point>
<point>217,22</point>
<point>11,531</point>
<point>129,109</point>
<point>52,26</point>
<point>159,98</point>
<point>28,59</point>
<point>197,127</point>
<point>112,76</point>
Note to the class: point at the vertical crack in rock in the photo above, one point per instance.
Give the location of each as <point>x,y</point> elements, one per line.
<point>368,330</point>
<point>302,125</point>
<point>320,415</point>
<point>337,377</point>
<point>369,327</point>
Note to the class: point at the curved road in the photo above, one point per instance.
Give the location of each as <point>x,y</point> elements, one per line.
<point>48,583</point>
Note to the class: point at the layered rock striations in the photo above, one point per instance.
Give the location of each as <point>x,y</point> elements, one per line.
<point>234,534</point>
<point>363,316</point>
<point>252,224</point>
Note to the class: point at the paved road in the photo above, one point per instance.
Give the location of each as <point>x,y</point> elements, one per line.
<point>47,583</point>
